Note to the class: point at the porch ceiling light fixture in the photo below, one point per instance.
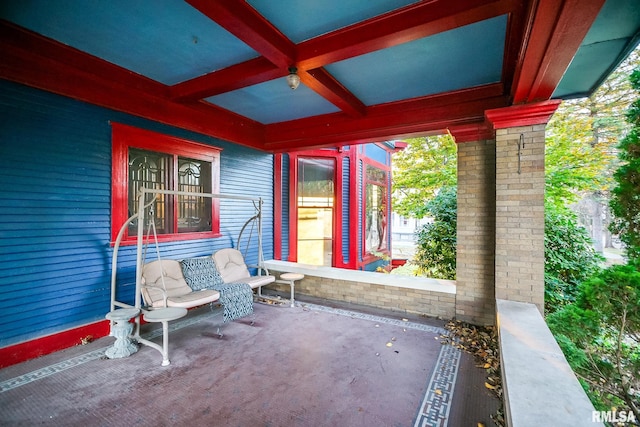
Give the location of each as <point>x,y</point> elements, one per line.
<point>293,79</point>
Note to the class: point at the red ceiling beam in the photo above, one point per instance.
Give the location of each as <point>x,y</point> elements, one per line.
<point>17,39</point>
<point>36,61</point>
<point>327,86</point>
<point>400,26</point>
<point>244,22</point>
<point>237,76</point>
<point>554,32</point>
<point>513,43</point>
<point>393,120</point>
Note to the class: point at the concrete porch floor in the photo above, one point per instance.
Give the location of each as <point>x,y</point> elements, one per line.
<point>311,365</point>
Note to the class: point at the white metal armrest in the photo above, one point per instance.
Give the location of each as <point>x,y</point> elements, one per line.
<point>161,289</point>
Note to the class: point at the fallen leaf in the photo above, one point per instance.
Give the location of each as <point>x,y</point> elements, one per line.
<point>489,386</point>
<point>389,344</point>
<point>438,392</point>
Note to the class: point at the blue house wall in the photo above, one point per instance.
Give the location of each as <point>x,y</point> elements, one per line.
<point>55,211</point>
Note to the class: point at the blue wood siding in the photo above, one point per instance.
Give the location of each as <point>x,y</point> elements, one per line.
<point>346,203</point>
<point>55,214</point>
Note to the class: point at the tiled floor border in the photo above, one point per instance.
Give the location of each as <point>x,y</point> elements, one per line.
<point>87,357</point>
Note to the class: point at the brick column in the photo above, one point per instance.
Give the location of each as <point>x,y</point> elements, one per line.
<point>519,218</point>
<point>475,297</point>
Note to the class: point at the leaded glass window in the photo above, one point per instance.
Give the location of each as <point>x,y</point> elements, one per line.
<point>160,171</point>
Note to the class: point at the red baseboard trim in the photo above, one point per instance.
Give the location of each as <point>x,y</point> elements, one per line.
<point>51,343</point>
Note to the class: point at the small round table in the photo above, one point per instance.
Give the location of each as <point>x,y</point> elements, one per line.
<point>164,315</point>
<point>290,278</point>
<point>121,329</point>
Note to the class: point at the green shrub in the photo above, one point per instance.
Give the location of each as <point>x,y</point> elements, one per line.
<point>569,257</point>
<point>436,242</point>
<point>599,334</point>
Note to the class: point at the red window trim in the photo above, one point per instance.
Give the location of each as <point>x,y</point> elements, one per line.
<point>337,157</point>
<point>123,137</point>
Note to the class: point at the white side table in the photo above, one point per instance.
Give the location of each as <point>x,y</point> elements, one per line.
<point>164,315</point>
<point>290,279</point>
<point>121,329</point>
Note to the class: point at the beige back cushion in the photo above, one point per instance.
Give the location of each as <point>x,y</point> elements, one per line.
<point>174,282</point>
<point>230,264</point>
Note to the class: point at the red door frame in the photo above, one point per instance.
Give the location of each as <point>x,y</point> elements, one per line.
<point>356,155</point>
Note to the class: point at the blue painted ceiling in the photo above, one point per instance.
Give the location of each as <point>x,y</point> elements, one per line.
<point>166,40</point>
<point>171,42</point>
<point>615,30</point>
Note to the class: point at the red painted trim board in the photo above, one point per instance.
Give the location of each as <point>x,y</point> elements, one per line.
<point>38,347</point>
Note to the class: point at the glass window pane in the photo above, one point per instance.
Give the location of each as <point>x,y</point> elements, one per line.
<point>315,231</point>
<point>375,213</point>
<point>315,210</point>
<point>376,175</point>
<point>315,182</point>
<point>194,213</point>
<point>149,169</point>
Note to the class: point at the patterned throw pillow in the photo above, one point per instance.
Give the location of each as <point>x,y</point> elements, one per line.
<point>200,273</point>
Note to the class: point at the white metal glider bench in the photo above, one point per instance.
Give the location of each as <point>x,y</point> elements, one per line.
<point>168,296</point>
<point>166,292</point>
<point>164,285</point>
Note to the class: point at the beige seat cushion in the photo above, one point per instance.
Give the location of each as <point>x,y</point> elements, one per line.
<point>230,263</point>
<point>179,294</point>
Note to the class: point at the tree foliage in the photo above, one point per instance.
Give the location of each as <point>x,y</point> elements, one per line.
<point>420,171</point>
<point>574,163</point>
<point>582,135</point>
<point>625,202</point>
<point>436,242</point>
<point>569,257</point>
<point>600,335</point>
<point>581,147</point>
<point>598,327</point>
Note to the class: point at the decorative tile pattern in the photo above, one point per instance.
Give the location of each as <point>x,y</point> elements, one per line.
<point>379,319</point>
<point>50,370</point>
<point>436,405</point>
<point>93,355</point>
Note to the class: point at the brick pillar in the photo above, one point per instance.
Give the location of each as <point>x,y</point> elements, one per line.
<point>519,218</point>
<point>475,297</point>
